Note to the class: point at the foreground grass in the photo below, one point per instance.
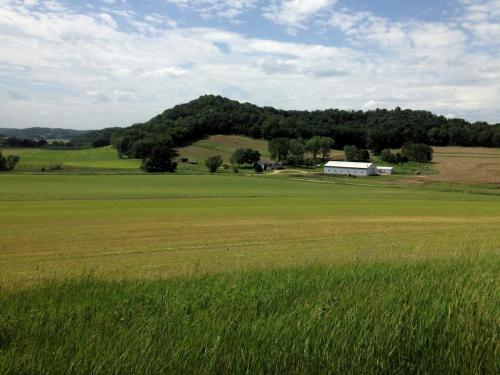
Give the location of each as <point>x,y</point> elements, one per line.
<point>424,317</point>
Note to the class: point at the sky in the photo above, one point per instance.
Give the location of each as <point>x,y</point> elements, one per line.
<point>100,63</point>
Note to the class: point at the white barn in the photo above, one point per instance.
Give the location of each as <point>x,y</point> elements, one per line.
<point>346,168</point>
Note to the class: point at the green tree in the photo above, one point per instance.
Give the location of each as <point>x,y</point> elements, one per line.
<point>213,163</point>
<point>279,148</point>
<point>245,156</point>
<point>8,163</point>
<point>418,152</point>
<point>2,162</point>
<point>377,141</point>
<point>160,160</point>
<point>313,146</point>
<point>352,153</point>
<point>326,145</point>
<point>296,151</point>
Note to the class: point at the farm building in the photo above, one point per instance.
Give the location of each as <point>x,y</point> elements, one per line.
<point>346,168</point>
<point>385,170</point>
<point>270,165</point>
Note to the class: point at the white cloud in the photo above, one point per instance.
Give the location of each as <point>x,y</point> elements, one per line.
<point>294,13</point>
<point>482,19</point>
<point>228,9</point>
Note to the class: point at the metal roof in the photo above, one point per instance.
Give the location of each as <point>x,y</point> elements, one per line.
<point>386,168</point>
<point>348,164</point>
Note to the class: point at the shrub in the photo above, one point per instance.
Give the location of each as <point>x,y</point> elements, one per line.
<point>8,163</point>
<point>57,167</point>
<point>387,156</point>
<point>213,163</point>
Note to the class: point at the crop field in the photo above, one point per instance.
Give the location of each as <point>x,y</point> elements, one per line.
<point>246,274</point>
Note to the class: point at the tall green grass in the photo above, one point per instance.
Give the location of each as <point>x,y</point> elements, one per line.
<point>425,318</point>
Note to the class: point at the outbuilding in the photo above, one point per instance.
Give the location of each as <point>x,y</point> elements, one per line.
<point>347,168</point>
<point>385,170</point>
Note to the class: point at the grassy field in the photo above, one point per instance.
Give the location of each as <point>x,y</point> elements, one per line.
<point>95,159</point>
<point>286,273</point>
<point>130,226</point>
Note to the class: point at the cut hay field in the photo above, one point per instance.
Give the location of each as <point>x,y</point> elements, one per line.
<point>472,165</point>
<point>153,226</point>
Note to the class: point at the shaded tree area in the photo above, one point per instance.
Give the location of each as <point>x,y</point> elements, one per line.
<point>160,159</point>
<point>8,163</point>
<point>22,142</point>
<point>245,156</point>
<point>94,138</point>
<point>418,152</point>
<point>375,130</point>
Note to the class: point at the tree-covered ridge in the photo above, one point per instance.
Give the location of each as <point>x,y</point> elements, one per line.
<point>37,133</point>
<point>376,130</point>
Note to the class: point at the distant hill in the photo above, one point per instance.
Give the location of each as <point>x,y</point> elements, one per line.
<point>376,129</point>
<point>39,133</point>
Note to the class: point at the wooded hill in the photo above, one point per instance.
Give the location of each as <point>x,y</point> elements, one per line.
<point>37,133</point>
<point>376,130</point>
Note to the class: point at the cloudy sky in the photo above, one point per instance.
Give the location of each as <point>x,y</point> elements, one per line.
<point>97,63</point>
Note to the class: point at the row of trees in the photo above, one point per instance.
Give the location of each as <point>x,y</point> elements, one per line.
<point>8,163</point>
<point>292,151</point>
<point>417,152</point>
<point>21,142</point>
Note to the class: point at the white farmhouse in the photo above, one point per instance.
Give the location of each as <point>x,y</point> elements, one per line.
<point>346,168</point>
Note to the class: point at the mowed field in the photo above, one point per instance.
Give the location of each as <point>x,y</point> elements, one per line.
<point>232,274</point>
<point>151,226</point>
<point>471,164</point>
